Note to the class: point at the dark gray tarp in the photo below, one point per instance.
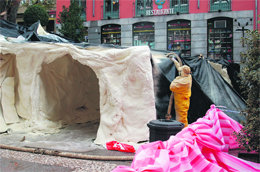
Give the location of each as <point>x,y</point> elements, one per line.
<point>208,87</point>
<point>13,30</point>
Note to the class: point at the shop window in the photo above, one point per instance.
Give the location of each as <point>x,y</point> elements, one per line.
<point>141,6</point>
<point>179,37</point>
<point>143,34</point>
<point>111,34</point>
<point>180,6</point>
<point>220,38</point>
<point>220,5</point>
<point>82,4</point>
<point>111,9</point>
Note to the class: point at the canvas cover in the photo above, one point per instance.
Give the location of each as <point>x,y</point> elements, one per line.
<point>57,82</point>
<point>47,85</point>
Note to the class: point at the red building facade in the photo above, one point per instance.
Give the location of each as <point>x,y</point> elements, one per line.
<point>209,27</point>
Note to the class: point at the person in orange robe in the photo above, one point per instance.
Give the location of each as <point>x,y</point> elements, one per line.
<point>181,88</point>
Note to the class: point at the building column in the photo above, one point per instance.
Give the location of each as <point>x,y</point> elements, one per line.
<point>94,33</point>
<point>199,37</point>
<point>160,33</point>
<point>126,35</point>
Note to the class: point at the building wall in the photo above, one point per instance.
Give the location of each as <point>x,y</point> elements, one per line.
<point>59,7</point>
<point>94,8</point>
<point>242,12</point>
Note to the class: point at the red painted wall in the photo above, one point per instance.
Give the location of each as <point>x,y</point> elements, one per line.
<point>98,12</point>
<point>126,8</point>
<point>238,5</point>
<point>203,6</point>
<point>59,5</point>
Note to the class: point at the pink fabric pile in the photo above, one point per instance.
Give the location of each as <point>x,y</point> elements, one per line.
<point>202,146</point>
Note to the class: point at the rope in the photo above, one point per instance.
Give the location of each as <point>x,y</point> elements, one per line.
<point>67,154</point>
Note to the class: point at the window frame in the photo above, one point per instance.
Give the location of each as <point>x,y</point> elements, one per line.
<point>151,40</point>
<point>148,5</point>
<point>215,47</point>
<point>185,43</point>
<point>83,6</point>
<point>180,7</point>
<point>220,5</point>
<point>117,32</point>
<point>111,14</point>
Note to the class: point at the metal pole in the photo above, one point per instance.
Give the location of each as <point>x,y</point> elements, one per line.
<point>93,8</point>
<point>256,15</point>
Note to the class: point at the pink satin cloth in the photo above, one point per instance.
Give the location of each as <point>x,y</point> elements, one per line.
<point>202,146</point>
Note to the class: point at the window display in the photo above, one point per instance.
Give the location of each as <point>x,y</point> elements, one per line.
<point>111,34</point>
<point>143,34</point>
<point>220,39</point>
<point>179,37</point>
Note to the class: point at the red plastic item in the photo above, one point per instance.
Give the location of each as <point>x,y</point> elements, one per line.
<point>114,145</point>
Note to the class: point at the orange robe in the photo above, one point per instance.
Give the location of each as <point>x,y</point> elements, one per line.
<point>181,87</point>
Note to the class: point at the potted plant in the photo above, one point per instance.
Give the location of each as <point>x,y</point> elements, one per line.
<point>249,136</point>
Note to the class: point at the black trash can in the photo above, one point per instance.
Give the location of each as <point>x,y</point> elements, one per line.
<point>162,129</point>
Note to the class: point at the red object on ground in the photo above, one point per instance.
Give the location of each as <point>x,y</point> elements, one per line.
<point>114,145</point>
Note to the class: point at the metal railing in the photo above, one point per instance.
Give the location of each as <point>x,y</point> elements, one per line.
<point>141,6</point>
<point>220,5</point>
<point>110,11</point>
<point>180,6</point>
<point>111,14</point>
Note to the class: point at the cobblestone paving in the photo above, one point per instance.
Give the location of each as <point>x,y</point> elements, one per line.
<point>14,161</point>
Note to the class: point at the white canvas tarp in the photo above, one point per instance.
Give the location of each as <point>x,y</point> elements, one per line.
<point>55,84</point>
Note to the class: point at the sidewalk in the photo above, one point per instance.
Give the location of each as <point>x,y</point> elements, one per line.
<point>77,139</point>
<point>14,161</point>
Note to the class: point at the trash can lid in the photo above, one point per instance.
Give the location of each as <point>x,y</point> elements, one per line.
<point>163,123</point>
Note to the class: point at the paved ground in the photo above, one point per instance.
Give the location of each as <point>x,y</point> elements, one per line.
<point>76,139</point>
<point>14,161</point>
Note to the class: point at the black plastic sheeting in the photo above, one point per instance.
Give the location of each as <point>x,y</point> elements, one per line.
<point>208,86</point>
<point>13,30</point>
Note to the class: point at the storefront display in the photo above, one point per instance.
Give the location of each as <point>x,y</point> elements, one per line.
<point>220,39</point>
<point>111,34</point>
<point>179,37</point>
<point>143,34</point>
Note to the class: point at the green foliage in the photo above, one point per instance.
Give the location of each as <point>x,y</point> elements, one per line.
<point>47,4</point>
<point>71,22</point>
<point>249,137</point>
<point>34,13</point>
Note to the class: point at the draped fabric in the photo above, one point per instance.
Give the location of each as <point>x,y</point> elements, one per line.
<point>202,146</point>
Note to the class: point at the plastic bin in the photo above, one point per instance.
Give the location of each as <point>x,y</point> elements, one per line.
<point>162,129</point>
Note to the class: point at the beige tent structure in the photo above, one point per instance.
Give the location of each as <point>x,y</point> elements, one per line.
<point>47,85</point>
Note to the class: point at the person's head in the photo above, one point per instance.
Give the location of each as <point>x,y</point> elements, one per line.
<point>185,70</point>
